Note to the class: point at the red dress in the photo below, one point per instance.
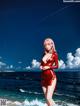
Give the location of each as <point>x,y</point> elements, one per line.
<point>48,75</point>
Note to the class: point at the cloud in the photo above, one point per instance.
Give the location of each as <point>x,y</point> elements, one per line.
<point>34,65</point>
<point>69,61</point>
<point>20,62</point>
<point>73,61</point>
<point>77,52</point>
<point>2,64</point>
<point>62,64</point>
<point>11,66</point>
<point>28,68</point>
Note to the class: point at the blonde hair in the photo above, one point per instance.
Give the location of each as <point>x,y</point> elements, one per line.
<point>51,41</point>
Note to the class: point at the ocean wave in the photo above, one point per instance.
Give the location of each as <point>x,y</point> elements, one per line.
<point>22,90</point>
<point>56,93</point>
<point>67,95</point>
<point>37,102</point>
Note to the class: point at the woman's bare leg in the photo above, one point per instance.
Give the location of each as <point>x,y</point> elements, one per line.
<point>44,91</point>
<point>50,90</point>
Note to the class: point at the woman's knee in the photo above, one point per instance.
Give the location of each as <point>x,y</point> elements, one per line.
<point>44,89</point>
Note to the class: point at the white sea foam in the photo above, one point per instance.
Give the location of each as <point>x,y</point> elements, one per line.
<point>36,102</point>
<point>22,90</point>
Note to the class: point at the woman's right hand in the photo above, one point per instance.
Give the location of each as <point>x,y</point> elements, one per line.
<point>44,67</point>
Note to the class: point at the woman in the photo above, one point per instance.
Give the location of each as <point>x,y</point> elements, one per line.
<point>48,76</point>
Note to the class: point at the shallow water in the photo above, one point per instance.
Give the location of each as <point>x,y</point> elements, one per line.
<point>28,98</point>
<point>24,89</point>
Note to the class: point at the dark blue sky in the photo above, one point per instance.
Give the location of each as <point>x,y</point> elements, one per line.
<point>24,24</point>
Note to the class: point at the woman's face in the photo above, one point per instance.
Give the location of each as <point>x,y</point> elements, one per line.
<point>48,45</point>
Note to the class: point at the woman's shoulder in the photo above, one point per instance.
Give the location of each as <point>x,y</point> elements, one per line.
<point>55,52</point>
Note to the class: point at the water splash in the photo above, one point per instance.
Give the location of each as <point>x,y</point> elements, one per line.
<point>36,102</point>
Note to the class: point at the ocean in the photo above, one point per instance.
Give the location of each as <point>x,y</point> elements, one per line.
<point>24,88</point>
